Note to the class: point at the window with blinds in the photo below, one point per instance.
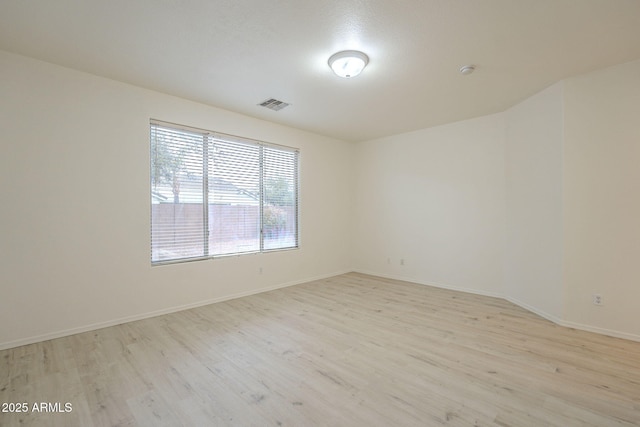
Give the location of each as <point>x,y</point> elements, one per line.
<point>214,194</point>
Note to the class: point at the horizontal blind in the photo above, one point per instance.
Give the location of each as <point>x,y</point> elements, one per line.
<point>280,198</point>
<point>177,219</point>
<point>214,194</point>
<point>234,200</point>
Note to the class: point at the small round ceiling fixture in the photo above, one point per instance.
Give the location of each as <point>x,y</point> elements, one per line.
<point>467,69</point>
<point>348,63</point>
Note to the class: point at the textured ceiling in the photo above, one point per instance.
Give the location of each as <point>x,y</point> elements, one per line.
<point>235,54</point>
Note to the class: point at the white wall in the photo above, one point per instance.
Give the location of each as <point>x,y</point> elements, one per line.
<point>602,199</point>
<point>538,204</point>
<point>434,198</point>
<point>533,256</point>
<point>546,192</point>
<point>75,208</point>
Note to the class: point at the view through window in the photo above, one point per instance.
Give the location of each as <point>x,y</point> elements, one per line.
<point>214,194</point>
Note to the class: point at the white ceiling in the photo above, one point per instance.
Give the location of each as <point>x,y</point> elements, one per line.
<point>235,54</point>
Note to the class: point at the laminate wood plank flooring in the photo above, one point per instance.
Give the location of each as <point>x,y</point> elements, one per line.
<point>352,350</point>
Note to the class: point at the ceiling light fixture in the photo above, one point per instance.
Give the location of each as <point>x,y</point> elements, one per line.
<point>348,63</point>
<point>467,69</point>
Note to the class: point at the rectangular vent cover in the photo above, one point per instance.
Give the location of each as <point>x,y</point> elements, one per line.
<point>273,104</point>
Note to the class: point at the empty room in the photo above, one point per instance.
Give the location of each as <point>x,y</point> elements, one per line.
<point>335,213</point>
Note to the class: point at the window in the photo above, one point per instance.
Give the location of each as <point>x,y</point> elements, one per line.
<point>214,194</point>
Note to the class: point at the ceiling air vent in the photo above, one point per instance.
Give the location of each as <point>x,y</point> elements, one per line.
<point>273,104</point>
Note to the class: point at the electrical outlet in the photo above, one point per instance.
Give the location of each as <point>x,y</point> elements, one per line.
<point>597,299</point>
<point>260,270</point>
<point>402,261</point>
<point>388,260</point>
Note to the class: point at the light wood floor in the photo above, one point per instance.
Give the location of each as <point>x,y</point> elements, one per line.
<point>353,350</point>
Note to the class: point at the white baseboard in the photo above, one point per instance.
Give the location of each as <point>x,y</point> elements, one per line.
<point>535,310</point>
<point>133,318</point>
<point>541,313</point>
<point>601,331</point>
<point>434,284</point>
<point>169,310</point>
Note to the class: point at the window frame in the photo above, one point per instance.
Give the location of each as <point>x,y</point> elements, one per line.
<point>209,137</point>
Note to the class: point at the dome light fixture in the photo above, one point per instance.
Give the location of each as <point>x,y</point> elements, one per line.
<point>467,69</point>
<point>348,63</point>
